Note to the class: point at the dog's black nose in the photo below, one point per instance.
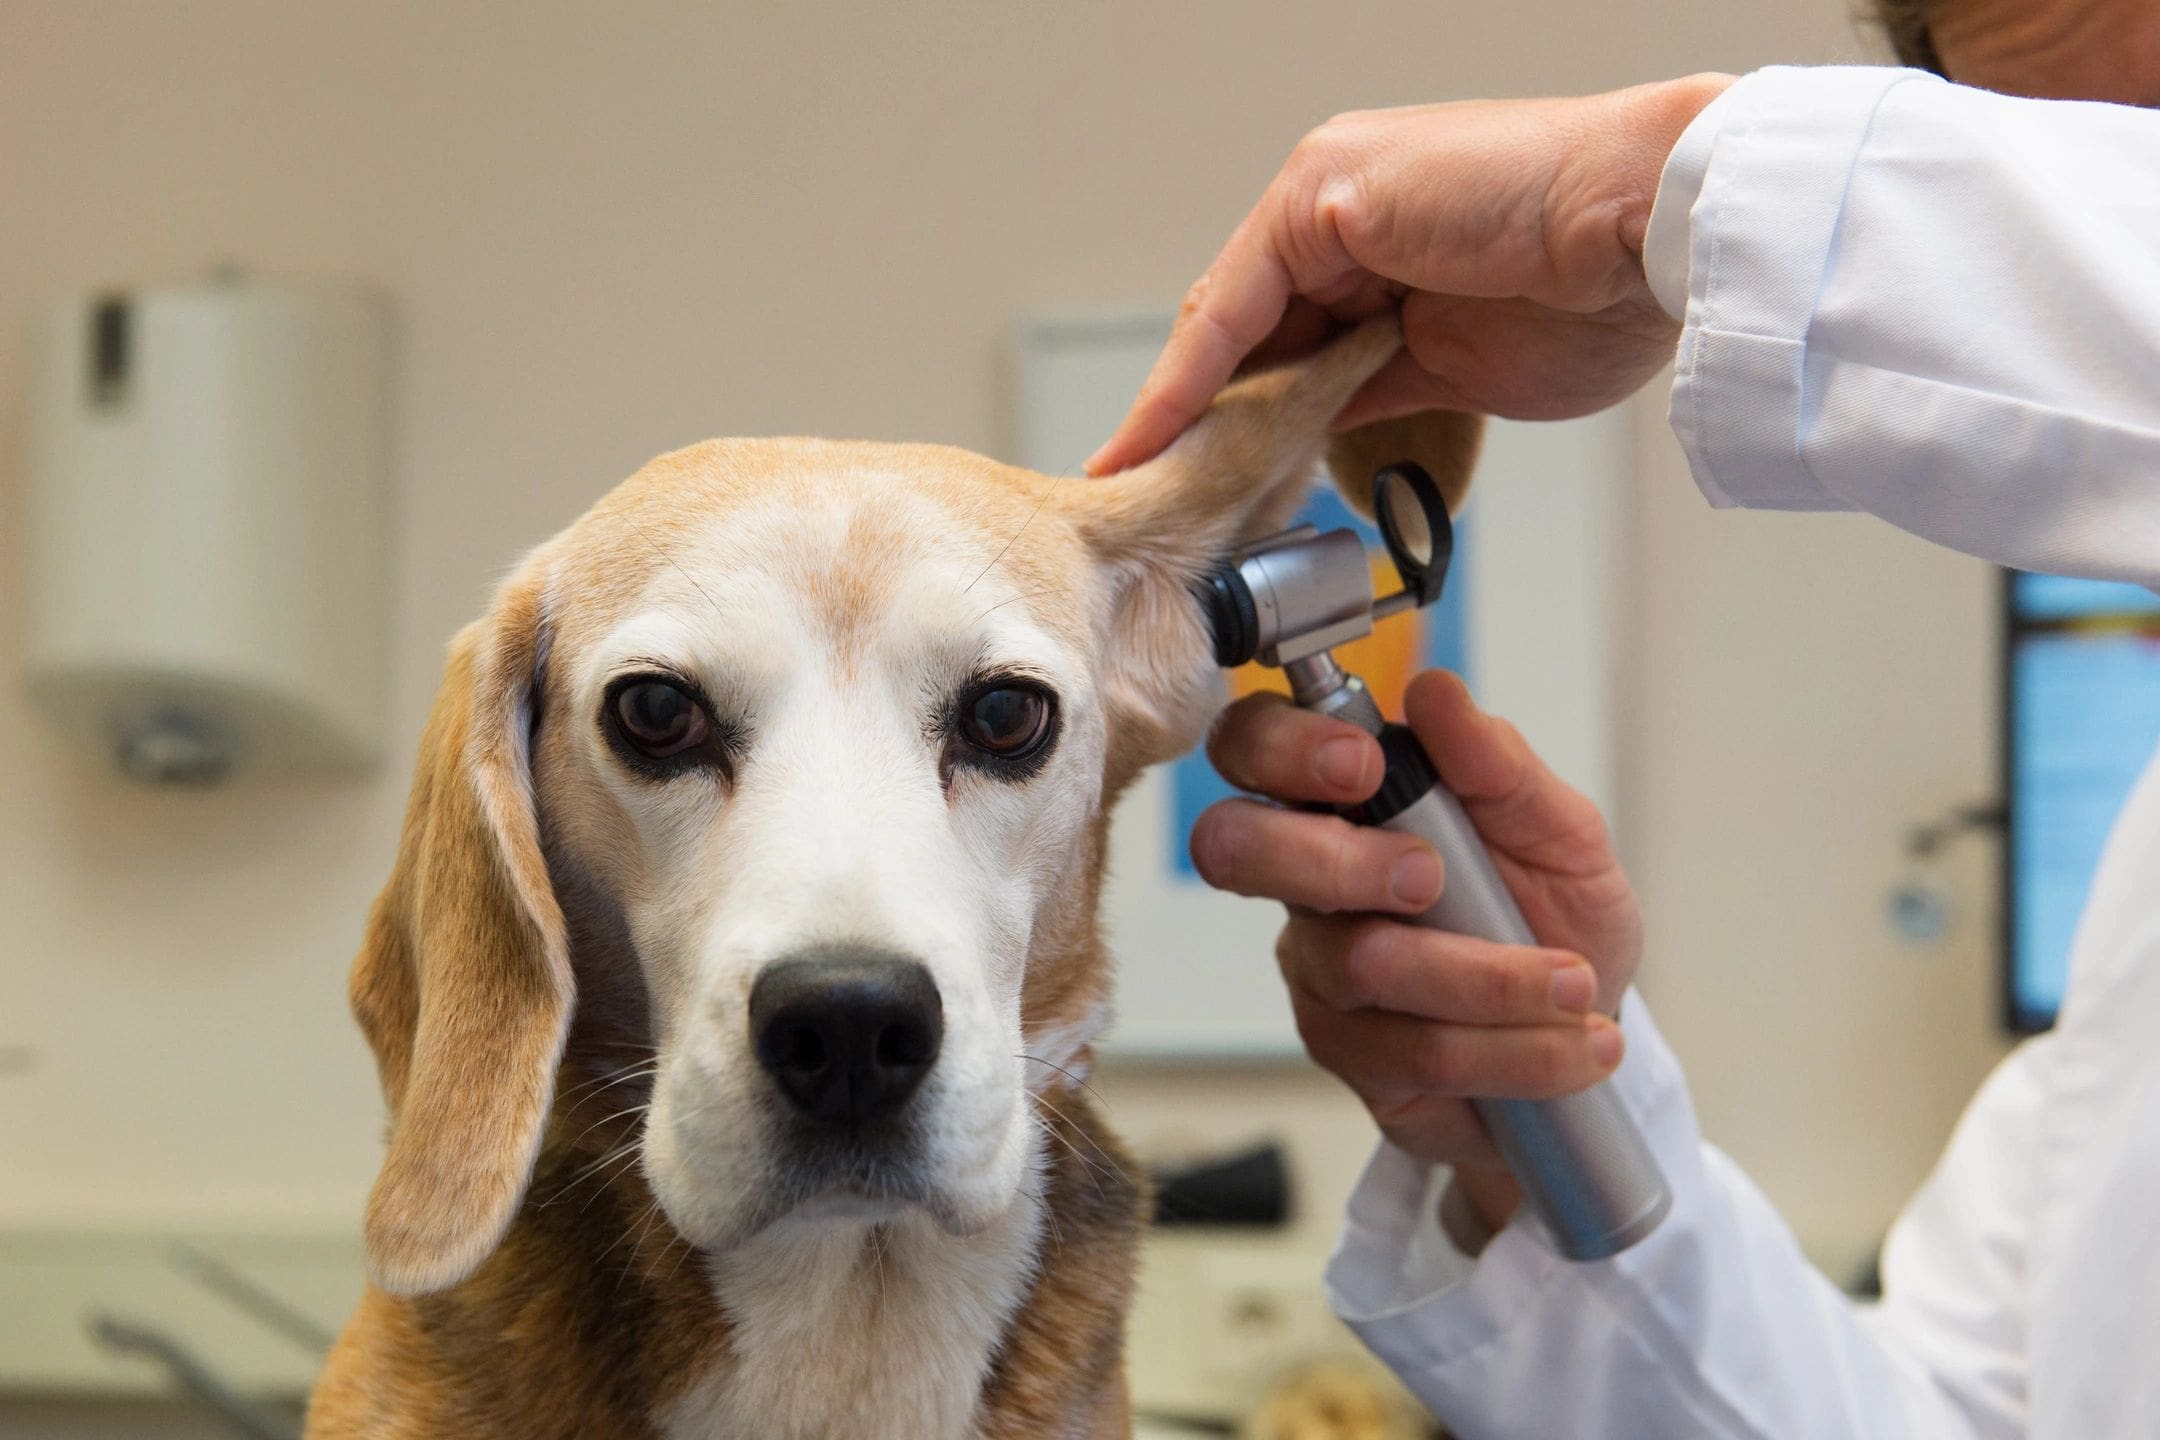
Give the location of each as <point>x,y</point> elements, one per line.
<point>846,1034</point>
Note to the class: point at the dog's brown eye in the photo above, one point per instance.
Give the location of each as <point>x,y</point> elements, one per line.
<point>1010,722</point>
<point>659,719</point>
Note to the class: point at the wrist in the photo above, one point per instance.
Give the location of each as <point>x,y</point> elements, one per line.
<point>1653,118</point>
<point>1477,1204</point>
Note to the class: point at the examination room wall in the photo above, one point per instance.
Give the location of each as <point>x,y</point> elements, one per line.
<point>605,238</point>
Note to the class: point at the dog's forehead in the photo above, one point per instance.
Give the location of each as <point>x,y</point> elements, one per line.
<point>838,542</point>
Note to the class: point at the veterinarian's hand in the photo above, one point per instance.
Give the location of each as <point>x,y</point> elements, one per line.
<point>1413,1019</point>
<point>1509,233</point>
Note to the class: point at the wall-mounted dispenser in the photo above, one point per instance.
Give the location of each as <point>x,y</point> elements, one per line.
<point>209,528</point>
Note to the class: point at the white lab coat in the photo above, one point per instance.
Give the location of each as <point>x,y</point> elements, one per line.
<point>1943,307</point>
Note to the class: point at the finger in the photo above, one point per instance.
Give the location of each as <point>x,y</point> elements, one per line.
<point>1367,962</point>
<point>1514,799</point>
<point>1443,1129</point>
<point>1230,309</point>
<point>1304,328</point>
<point>1386,1056</point>
<point>1265,744</point>
<point>1316,862</point>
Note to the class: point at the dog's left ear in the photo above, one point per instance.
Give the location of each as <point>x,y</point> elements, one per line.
<point>463,984</point>
<point>1239,473</point>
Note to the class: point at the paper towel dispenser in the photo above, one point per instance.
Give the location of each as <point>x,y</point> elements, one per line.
<point>209,528</point>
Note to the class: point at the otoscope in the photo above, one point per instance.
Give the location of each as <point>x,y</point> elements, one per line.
<point>1287,601</point>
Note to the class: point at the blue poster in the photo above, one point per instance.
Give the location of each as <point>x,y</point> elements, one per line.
<point>2084,721</point>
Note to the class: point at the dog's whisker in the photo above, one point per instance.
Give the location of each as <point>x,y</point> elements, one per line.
<point>1049,1214</point>
<point>640,1107</point>
<point>1108,1158</point>
<point>1096,1173</point>
<point>1048,490</point>
<point>628,1152</point>
<point>688,1250</point>
<point>571,1100</point>
<point>630,1260</point>
<point>1097,1176</point>
<point>611,1079</point>
<point>654,1216</point>
<point>1078,1080</point>
<point>582,1175</point>
<point>648,1057</point>
<point>602,1082</point>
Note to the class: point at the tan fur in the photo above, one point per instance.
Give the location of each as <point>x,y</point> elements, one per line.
<point>468,916</point>
<point>526,1279</point>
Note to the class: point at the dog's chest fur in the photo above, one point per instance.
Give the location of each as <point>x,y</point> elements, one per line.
<point>593,1320</point>
<point>843,1328</point>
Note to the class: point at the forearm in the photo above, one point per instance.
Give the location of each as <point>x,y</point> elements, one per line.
<point>1934,304</point>
<point>1714,1326</point>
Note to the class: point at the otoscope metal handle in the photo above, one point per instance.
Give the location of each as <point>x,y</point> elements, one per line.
<point>1583,1166</point>
<point>1288,601</point>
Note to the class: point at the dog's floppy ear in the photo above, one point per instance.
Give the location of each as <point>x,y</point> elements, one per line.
<point>1239,473</point>
<point>463,982</point>
<point>1444,442</point>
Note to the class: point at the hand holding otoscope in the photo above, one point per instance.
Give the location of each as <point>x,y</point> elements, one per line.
<point>1287,600</point>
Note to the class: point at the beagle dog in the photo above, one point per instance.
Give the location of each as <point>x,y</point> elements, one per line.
<point>735,984</point>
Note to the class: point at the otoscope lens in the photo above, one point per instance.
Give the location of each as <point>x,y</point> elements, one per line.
<point>1414,522</point>
<point>1406,518</point>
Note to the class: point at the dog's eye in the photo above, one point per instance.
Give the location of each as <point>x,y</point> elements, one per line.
<point>659,720</point>
<point>1008,720</point>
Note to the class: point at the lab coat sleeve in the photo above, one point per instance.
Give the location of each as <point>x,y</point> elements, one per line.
<point>1935,304</point>
<point>1715,1325</point>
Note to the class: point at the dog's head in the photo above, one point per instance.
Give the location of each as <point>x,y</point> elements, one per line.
<point>798,754</point>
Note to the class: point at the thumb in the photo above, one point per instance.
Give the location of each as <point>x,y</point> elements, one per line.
<point>1519,806</point>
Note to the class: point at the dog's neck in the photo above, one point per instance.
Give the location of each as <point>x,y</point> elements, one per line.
<point>844,1327</point>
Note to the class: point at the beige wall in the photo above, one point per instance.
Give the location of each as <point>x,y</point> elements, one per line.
<point>608,236</point>
<point>1807,688</point>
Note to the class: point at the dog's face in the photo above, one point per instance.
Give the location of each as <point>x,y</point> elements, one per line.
<point>824,725</point>
<point>799,753</point>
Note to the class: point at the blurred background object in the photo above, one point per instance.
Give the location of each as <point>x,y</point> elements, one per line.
<point>210,528</point>
<point>1338,1400</point>
<point>609,233</point>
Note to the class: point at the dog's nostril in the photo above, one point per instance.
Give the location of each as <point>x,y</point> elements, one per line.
<point>847,1035</point>
<point>903,1045</point>
<point>798,1047</point>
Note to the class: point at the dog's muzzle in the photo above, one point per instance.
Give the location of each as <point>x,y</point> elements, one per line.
<point>846,1034</point>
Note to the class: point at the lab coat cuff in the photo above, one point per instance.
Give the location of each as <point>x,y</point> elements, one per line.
<point>1665,242</point>
<point>1776,165</point>
<point>1421,1304</point>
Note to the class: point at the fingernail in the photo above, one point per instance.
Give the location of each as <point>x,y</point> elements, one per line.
<point>1605,1044</point>
<point>1094,465</point>
<point>1416,878</point>
<point>1574,987</point>
<point>1341,762</point>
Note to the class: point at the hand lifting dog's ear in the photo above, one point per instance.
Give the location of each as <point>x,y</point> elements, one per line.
<point>1239,473</point>
<point>463,984</point>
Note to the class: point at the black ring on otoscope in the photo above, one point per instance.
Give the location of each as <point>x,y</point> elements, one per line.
<point>1233,619</point>
<point>1406,778</point>
<point>1423,578</point>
